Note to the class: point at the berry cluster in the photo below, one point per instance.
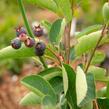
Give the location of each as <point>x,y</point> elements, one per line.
<point>29,42</point>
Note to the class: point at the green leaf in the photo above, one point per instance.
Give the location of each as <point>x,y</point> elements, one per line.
<point>98,57</point>
<point>91,93</point>
<point>57,84</point>
<point>9,52</point>
<point>48,4</point>
<point>48,102</point>
<point>85,87</point>
<point>65,80</point>
<point>31,99</point>
<point>46,24</point>
<point>99,73</point>
<point>50,73</point>
<point>81,85</point>
<point>65,8</point>
<point>57,30</point>
<point>88,30</point>
<point>88,106</point>
<point>71,91</point>
<point>103,103</point>
<point>39,86</point>
<point>88,42</point>
<point>23,52</point>
<point>105,12</point>
<point>63,102</point>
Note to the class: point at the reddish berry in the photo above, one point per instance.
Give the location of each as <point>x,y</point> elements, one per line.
<point>23,37</point>
<point>38,31</point>
<point>20,31</point>
<point>40,49</point>
<point>16,43</point>
<point>29,42</point>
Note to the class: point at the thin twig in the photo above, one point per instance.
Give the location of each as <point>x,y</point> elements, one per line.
<point>43,62</point>
<point>57,56</point>
<point>93,52</point>
<point>52,59</point>
<point>67,41</point>
<point>28,27</point>
<point>95,104</point>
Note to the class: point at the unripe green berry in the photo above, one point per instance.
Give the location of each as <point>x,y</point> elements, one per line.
<point>105,11</point>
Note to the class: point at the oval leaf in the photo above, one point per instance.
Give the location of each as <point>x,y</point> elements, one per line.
<point>66,8</point>
<point>91,94</point>
<point>71,90</point>
<point>31,99</point>
<point>88,42</point>
<point>81,85</point>
<point>88,30</point>
<point>23,52</point>
<point>65,79</point>
<point>48,4</point>
<point>48,102</point>
<point>57,84</point>
<point>99,73</point>
<point>39,86</point>
<point>57,30</point>
<point>98,57</point>
<point>9,52</point>
<point>50,73</point>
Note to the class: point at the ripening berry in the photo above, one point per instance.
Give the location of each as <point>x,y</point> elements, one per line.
<point>16,43</point>
<point>20,31</point>
<point>105,11</point>
<point>23,37</point>
<point>29,42</point>
<point>38,31</point>
<point>40,49</point>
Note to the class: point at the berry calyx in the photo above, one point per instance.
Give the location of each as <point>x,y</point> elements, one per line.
<point>16,43</point>
<point>38,31</point>
<point>29,42</point>
<point>40,49</point>
<point>20,31</point>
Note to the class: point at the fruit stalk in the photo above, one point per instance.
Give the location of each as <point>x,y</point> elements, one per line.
<point>25,18</point>
<point>28,27</point>
<point>57,56</point>
<point>43,62</point>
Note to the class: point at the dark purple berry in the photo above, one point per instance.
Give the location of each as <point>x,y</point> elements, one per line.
<point>16,43</point>
<point>40,49</point>
<point>38,31</point>
<point>20,31</point>
<point>29,42</point>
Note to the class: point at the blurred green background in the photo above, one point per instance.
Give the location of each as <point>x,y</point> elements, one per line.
<point>90,13</point>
